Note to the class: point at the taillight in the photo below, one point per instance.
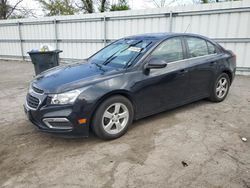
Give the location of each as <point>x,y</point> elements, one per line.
<point>233,56</point>
<point>231,53</point>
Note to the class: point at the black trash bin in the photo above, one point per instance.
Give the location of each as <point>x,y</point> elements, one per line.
<point>44,60</point>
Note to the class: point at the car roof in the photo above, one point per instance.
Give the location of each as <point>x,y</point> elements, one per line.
<point>162,36</point>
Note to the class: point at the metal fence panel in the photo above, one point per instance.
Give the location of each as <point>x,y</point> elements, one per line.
<point>80,36</point>
<point>10,48</point>
<point>10,32</point>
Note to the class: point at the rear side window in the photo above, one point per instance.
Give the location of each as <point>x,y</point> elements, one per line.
<point>211,48</point>
<point>170,50</point>
<point>197,47</point>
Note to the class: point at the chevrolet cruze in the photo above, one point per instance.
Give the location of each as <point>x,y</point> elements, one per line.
<point>129,79</point>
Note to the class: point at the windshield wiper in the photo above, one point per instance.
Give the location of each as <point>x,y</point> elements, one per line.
<point>99,66</point>
<point>109,60</point>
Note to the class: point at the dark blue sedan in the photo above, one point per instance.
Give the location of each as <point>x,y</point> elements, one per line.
<point>131,78</point>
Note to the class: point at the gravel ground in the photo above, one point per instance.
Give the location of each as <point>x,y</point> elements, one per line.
<point>197,145</point>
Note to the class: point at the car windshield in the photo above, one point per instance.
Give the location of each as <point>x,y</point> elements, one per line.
<point>120,53</point>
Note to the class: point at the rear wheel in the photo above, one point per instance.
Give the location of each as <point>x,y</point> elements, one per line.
<point>220,88</point>
<point>113,117</point>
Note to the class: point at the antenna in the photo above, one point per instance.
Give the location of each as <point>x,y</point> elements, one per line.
<point>187,28</point>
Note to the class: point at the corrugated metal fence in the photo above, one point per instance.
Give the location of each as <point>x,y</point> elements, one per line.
<point>82,35</point>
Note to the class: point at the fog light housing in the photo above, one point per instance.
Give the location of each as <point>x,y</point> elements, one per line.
<point>58,123</point>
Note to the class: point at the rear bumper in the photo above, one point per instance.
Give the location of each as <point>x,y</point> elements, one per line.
<point>58,120</point>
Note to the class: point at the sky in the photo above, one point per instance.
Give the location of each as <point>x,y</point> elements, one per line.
<point>134,4</point>
<point>142,4</point>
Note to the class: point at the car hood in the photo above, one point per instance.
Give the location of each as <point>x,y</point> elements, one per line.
<point>73,76</point>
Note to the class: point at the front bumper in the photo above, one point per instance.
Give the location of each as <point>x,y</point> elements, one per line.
<point>58,119</point>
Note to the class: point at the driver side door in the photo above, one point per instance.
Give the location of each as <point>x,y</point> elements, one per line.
<point>165,88</point>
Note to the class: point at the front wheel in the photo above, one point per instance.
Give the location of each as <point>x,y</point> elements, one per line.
<point>113,117</point>
<point>220,88</point>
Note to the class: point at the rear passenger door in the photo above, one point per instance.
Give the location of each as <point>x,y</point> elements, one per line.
<point>202,56</point>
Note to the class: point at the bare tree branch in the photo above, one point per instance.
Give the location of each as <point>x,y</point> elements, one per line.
<point>86,5</point>
<point>13,8</point>
<point>8,10</point>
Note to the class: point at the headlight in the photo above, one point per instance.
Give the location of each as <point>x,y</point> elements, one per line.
<point>65,98</point>
<point>30,88</point>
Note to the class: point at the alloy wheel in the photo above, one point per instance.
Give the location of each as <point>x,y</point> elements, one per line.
<point>221,87</point>
<point>115,118</point>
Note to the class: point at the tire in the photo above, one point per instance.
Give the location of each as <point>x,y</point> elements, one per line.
<point>220,88</point>
<point>113,117</point>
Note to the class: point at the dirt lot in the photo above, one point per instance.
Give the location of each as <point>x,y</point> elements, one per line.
<point>205,136</point>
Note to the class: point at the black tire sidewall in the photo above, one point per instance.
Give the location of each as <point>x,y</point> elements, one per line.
<point>97,120</point>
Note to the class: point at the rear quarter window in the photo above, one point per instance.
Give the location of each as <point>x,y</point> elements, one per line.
<point>197,47</point>
<point>211,48</point>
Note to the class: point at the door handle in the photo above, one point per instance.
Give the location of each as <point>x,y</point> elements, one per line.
<point>183,71</point>
<point>212,63</point>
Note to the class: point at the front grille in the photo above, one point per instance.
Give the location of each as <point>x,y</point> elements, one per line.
<point>37,90</point>
<point>32,102</point>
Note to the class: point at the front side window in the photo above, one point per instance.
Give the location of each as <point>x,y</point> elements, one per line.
<point>170,50</point>
<point>197,47</point>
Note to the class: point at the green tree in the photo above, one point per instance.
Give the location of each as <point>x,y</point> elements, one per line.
<point>121,5</point>
<point>58,7</point>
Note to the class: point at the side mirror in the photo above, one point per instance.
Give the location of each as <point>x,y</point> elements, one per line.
<point>155,63</point>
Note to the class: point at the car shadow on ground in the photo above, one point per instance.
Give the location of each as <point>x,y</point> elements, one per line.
<point>147,122</point>
<point>168,113</point>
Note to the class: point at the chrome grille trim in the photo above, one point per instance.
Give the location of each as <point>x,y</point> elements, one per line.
<point>29,99</point>
<point>37,90</point>
<point>48,121</point>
